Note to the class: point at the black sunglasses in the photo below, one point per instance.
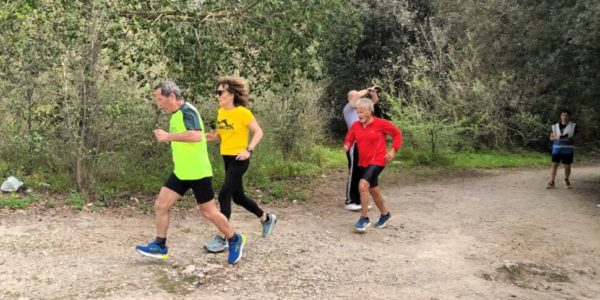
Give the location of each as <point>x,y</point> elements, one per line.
<point>220,92</point>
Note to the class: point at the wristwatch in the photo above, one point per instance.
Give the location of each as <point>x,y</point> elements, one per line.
<point>249,150</point>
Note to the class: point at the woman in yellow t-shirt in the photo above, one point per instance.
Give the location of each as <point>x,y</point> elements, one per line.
<point>234,122</point>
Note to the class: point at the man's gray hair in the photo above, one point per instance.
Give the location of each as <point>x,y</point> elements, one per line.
<point>169,87</point>
<point>366,103</point>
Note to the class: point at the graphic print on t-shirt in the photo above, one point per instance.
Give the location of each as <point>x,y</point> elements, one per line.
<point>224,125</point>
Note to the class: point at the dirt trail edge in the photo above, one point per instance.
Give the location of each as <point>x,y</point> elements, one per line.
<point>495,235</point>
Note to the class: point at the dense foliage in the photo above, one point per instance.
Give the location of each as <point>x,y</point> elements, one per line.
<point>478,74</point>
<point>76,78</point>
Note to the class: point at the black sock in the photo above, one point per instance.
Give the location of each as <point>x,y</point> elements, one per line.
<point>161,241</point>
<point>232,239</point>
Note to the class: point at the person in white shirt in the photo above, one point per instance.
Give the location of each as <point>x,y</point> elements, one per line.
<point>562,147</point>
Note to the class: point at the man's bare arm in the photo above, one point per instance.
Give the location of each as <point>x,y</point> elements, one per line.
<point>354,95</point>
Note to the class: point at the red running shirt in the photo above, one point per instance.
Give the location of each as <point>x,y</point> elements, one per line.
<point>371,141</point>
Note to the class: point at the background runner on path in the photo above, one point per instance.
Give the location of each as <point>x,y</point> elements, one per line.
<point>370,135</point>
<point>562,147</point>
<point>352,201</point>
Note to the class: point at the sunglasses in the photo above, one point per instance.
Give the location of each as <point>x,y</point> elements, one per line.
<point>220,92</point>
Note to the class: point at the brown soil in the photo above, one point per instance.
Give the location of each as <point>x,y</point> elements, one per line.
<point>469,235</point>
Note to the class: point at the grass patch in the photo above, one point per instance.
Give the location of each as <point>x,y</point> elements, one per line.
<point>50,203</point>
<point>330,157</point>
<point>453,160</point>
<point>469,160</point>
<point>558,277</point>
<point>76,200</point>
<point>499,159</point>
<point>187,202</point>
<point>17,201</point>
<point>14,203</point>
<point>147,208</point>
<point>284,190</point>
<point>3,170</point>
<point>173,283</point>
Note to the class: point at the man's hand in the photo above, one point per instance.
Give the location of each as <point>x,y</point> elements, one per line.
<point>212,136</point>
<point>389,156</point>
<point>161,135</point>
<point>346,148</point>
<point>373,93</point>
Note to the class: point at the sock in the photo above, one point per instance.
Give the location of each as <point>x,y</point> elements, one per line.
<point>268,219</point>
<point>161,241</point>
<point>232,239</point>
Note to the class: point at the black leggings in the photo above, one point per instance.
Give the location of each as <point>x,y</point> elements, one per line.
<point>234,188</point>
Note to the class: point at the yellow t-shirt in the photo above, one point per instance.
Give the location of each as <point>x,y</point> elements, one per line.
<point>232,127</point>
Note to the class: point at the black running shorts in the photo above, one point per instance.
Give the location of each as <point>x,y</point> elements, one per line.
<point>565,159</point>
<point>370,174</point>
<point>202,188</point>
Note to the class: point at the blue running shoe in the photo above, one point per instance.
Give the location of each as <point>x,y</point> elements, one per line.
<point>268,226</point>
<point>235,248</point>
<point>216,245</point>
<point>362,224</point>
<point>383,220</point>
<point>153,250</point>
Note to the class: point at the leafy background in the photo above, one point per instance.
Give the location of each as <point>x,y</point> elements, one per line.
<point>457,77</point>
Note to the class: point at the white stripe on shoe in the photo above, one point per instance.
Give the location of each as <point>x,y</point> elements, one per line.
<point>157,255</point>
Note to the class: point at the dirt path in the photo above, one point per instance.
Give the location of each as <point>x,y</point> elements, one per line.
<point>483,235</point>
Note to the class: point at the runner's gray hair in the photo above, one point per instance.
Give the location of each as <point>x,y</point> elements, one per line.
<point>167,87</point>
<point>366,103</point>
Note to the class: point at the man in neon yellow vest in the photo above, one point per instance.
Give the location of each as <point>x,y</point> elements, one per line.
<point>562,147</point>
<point>192,171</point>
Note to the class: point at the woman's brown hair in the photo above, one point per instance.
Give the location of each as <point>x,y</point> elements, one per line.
<point>238,86</point>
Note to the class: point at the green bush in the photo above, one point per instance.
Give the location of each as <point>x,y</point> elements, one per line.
<point>17,201</point>
<point>76,200</point>
<point>14,203</point>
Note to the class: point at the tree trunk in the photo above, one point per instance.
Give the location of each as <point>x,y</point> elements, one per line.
<point>89,97</point>
<point>30,141</point>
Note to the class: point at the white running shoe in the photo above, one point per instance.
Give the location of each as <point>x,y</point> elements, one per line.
<point>352,207</point>
<point>355,207</point>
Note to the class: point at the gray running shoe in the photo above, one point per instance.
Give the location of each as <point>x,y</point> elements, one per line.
<point>268,226</point>
<point>216,245</point>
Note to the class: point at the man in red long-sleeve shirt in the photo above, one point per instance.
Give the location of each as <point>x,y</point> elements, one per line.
<point>370,134</point>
